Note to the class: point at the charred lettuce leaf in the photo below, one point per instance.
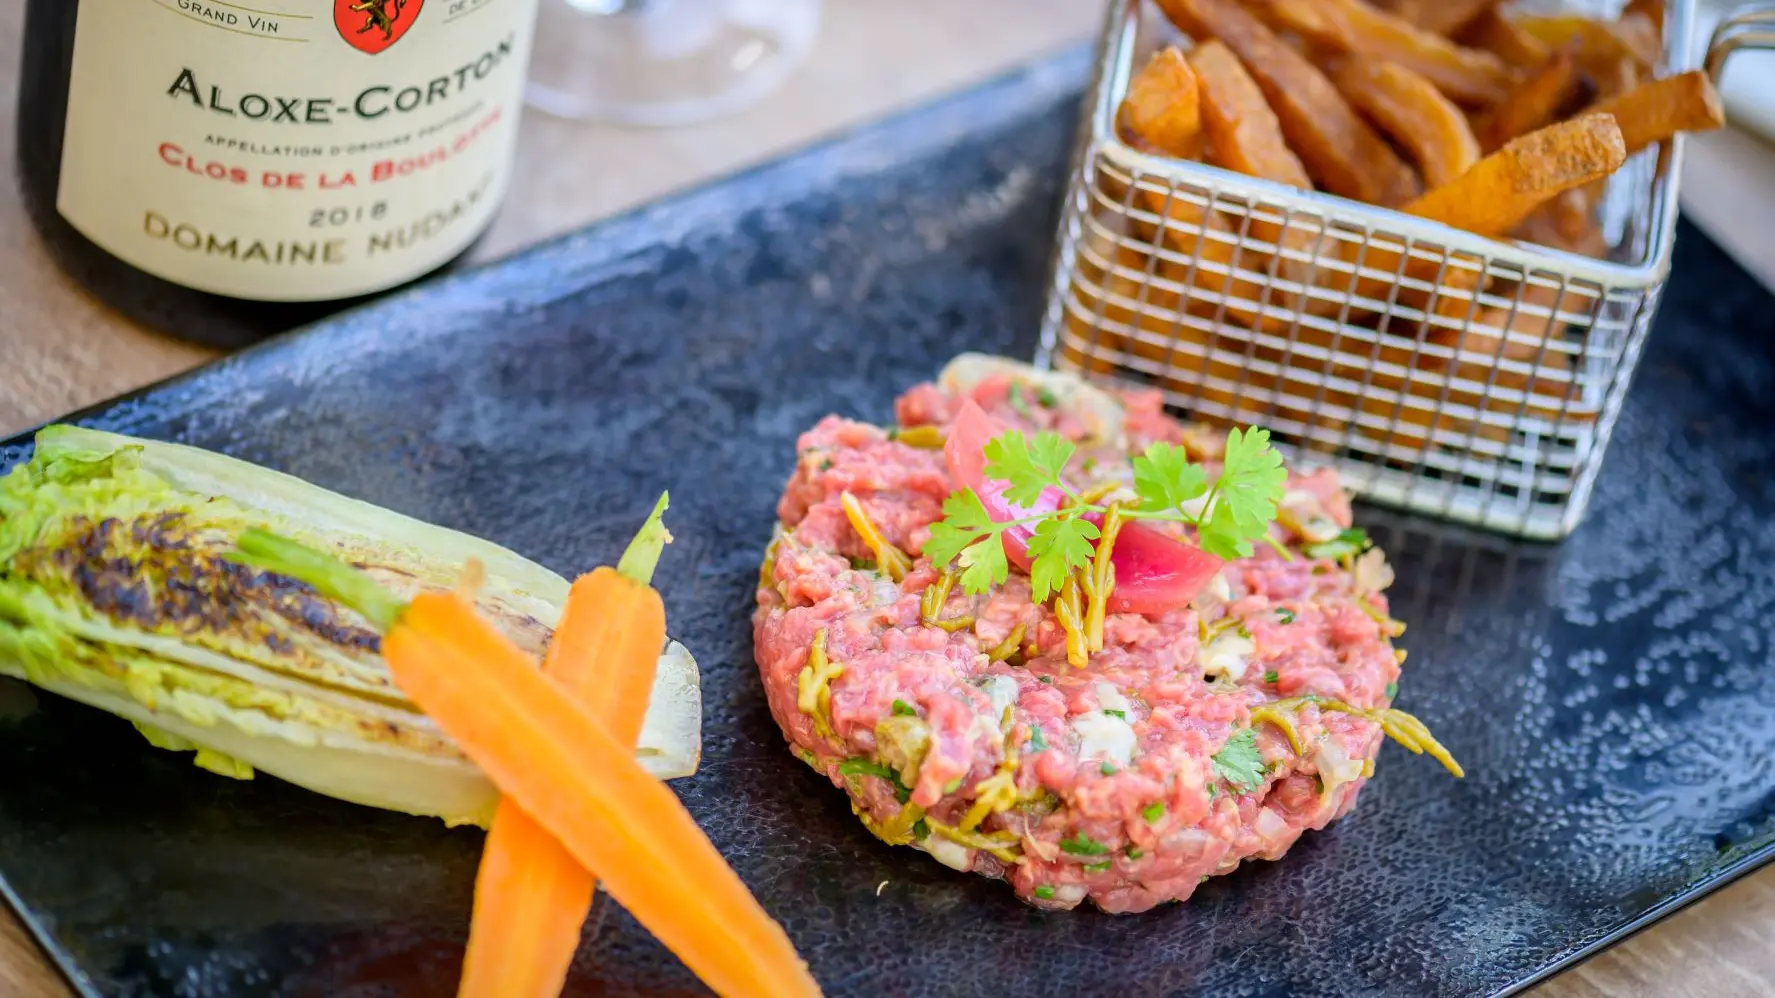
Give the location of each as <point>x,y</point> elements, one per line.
<point>114,591</point>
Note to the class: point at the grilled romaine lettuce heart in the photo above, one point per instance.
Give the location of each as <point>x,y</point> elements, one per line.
<point>114,591</point>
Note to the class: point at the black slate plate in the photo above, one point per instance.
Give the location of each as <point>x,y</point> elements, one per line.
<point>1612,697</point>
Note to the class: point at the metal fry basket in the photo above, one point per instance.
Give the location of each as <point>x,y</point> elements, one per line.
<point>1467,378</point>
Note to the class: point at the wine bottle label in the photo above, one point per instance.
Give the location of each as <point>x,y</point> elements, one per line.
<point>291,150</point>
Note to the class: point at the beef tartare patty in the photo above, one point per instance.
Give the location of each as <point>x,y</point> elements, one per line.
<point>1195,739</point>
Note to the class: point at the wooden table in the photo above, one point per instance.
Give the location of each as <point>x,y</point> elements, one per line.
<point>60,350</point>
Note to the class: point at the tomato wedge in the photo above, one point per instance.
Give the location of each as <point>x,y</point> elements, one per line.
<point>1154,571</point>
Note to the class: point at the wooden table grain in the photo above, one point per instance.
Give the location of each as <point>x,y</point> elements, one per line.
<point>60,350</point>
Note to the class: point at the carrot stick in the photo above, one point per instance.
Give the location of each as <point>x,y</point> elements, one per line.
<point>531,895</point>
<point>562,765</point>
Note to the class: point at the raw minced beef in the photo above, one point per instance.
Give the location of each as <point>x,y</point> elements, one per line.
<point>1071,784</point>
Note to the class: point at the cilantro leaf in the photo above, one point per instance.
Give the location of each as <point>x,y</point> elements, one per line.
<point>1028,465</point>
<point>862,766</point>
<point>1252,479</point>
<point>867,767</point>
<point>964,521</point>
<point>1238,761</point>
<point>1221,534</point>
<point>983,565</point>
<point>1165,479</point>
<point>1058,547</point>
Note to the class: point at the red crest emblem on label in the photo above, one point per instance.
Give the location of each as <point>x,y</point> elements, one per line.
<point>373,25</point>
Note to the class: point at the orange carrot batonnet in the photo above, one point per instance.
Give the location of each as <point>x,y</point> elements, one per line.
<point>531,896</point>
<point>561,763</point>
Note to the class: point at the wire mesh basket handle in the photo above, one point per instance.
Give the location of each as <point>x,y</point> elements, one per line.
<point>1749,27</point>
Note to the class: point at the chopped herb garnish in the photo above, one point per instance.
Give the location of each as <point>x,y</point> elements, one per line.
<point>1392,690</point>
<point>1116,713</point>
<point>1045,892</point>
<point>1096,867</point>
<point>1046,397</point>
<point>1228,515</point>
<point>1083,845</point>
<point>1238,762</point>
<point>863,564</point>
<point>826,465</point>
<point>1346,544</point>
<point>921,830</point>
<point>1133,852</point>
<point>1047,679</point>
<point>1153,812</point>
<point>1213,791</point>
<point>1285,615</point>
<point>869,767</point>
<point>1271,677</point>
<point>905,709</point>
<point>1108,768</point>
<point>1019,403</point>
<point>1037,740</point>
<point>952,786</point>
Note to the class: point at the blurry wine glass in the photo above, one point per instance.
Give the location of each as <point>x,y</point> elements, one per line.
<point>665,62</point>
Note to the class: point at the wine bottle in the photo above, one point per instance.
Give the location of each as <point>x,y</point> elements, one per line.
<point>224,171</point>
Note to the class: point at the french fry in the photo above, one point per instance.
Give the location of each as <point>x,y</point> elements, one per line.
<point>1612,77</point>
<point>1341,152</point>
<point>1162,107</point>
<point>1533,103</point>
<point>1655,111</point>
<point>1410,110</point>
<point>1490,354</point>
<point>1204,237</point>
<point>1522,334</point>
<point>1491,199</point>
<point>1567,222</point>
<point>1212,369</point>
<point>1243,132</point>
<point>1154,121</point>
<point>1411,10</point>
<point>1445,17</point>
<point>1494,32</point>
<point>1651,10</point>
<point>1088,342</point>
<point>1599,41</point>
<point>1468,76</point>
<point>1244,135</point>
<point>1502,189</point>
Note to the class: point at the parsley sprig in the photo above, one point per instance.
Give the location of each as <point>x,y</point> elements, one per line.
<point>1238,762</point>
<point>1227,514</point>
